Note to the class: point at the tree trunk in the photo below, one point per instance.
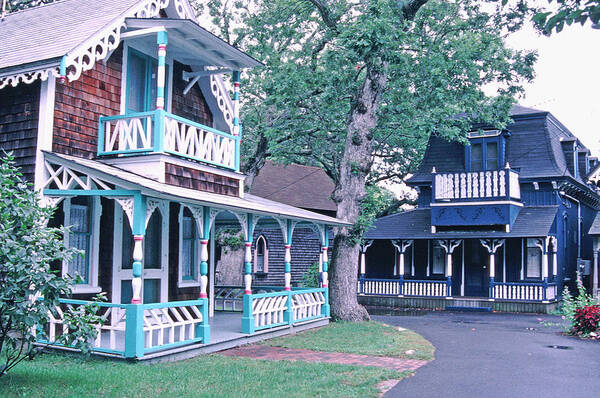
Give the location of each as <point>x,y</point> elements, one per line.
<point>256,161</point>
<point>350,191</point>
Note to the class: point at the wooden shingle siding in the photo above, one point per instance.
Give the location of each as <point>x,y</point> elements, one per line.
<point>201,180</point>
<point>19,112</point>
<point>79,105</point>
<point>192,106</point>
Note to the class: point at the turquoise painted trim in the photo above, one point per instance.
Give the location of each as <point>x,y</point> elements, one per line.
<point>236,163</point>
<point>275,325</point>
<point>206,222</point>
<point>288,315</point>
<point>162,37</point>
<point>85,302</point>
<point>127,115</point>
<point>200,160</point>
<point>127,152</point>
<point>139,215</point>
<point>248,326</point>
<point>236,76</point>
<point>134,331</point>
<point>101,138</point>
<point>326,308</point>
<point>172,304</point>
<point>159,130</point>
<point>94,349</point>
<point>63,66</point>
<point>203,329</point>
<point>90,192</point>
<point>310,318</point>
<point>289,232</point>
<point>236,120</point>
<point>198,125</point>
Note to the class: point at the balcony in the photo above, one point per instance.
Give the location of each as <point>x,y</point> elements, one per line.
<point>159,131</point>
<point>476,186</point>
<point>483,198</point>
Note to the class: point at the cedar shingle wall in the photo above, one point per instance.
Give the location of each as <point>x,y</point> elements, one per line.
<point>192,106</point>
<point>19,111</point>
<point>79,105</point>
<point>201,180</point>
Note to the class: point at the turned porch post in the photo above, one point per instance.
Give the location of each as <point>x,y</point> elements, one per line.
<point>449,245</point>
<point>326,309</point>
<point>492,245</point>
<point>401,246</point>
<point>554,242</point>
<point>542,243</point>
<point>363,264</point>
<point>288,256</point>
<point>139,230</point>
<point>204,252</point>
<point>161,40</point>
<point>248,257</point>
<point>595,269</point>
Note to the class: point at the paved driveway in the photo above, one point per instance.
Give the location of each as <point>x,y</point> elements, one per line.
<point>499,355</point>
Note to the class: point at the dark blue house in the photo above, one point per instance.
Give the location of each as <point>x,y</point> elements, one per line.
<point>501,222</point>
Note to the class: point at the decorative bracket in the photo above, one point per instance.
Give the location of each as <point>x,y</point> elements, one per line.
<point>492,244</point>
<point>152,204</point>
<point>367,243</point>
<point>402,244</point>
<point>126,204</point>
<point>449,244</point>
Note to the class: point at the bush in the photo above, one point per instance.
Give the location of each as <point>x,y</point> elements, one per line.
<point>311,277</point>
<point>587,321</point>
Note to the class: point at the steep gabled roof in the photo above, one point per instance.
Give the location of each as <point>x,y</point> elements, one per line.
<point>595,228</point>
<point>533,148</point>
<point>296,185</point>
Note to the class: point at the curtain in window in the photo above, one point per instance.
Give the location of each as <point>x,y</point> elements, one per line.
<point>534,260</point>
<point>188,248</point>
<point>439,260</point>
<point>80,239</point>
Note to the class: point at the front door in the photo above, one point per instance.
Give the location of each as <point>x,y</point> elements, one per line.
<point>476,273</point>
<point>155,264</point>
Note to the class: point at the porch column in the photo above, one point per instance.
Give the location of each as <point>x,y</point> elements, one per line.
<point>595,268</point>
<point>554,242</point>
<point>204,252</point>
<point>248,257</point>
<point>288,256</point>
<point>236,116</point>
<point>363,262</point>
<point>139,230</point>
<point>542,243</point>
<point>326,309</point>
<point>401,246</point>
<point>161,40</point>
<point>492,245</point>
<point>449,245</point>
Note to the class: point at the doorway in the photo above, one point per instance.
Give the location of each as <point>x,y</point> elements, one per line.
<point>476,275</point>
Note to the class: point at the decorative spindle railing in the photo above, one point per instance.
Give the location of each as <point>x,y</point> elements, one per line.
<point>525,291</point>
<point>230,298</point>
<point>472,186</point>
<point>133,330</point>
<point>162,132</point>
<point>280,308</point>
<point>403,287</point>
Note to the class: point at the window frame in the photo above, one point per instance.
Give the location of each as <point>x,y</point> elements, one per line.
<point>265,269</point>
<point>491,137</point>
<point>530,243</point>
<point>95,210</point>
<point>434,246</point>
<point>183,281</point>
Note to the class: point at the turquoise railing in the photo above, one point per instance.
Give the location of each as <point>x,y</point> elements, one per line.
<point>159,131</point>
<point>281,308</point>
<point>133,330</point>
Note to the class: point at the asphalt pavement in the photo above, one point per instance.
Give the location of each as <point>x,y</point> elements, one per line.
<point>499,355</point>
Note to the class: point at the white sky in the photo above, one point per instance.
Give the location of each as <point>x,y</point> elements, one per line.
<point>567,81</point>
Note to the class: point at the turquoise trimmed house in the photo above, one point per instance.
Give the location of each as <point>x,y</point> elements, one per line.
<point>118,113</point>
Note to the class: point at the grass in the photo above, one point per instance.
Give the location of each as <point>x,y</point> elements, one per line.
<point>367,338</point>
<point>52,375</point>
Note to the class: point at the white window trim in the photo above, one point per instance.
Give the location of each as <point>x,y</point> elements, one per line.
<point>96,211</point>
<point>188,282</point>
<point>266,256</point>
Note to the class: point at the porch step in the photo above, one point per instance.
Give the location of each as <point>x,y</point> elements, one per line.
<point>469,309</point>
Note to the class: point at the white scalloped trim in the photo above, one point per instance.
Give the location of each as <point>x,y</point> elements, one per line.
<point>28,77</point>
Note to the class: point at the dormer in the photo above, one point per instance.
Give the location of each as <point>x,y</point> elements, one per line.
<point>486,150</point>
<point>569,145</point>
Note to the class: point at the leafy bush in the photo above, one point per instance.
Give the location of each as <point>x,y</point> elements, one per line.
<point>587,321</point>
<point>311,276</point>
<point>30,290</point>
<point>230,239</point>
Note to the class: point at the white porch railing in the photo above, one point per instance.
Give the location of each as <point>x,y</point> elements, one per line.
<point>497,184</point>
<point>524,291</point>
<point>133,330</point>
<point>159,131</point>
<point>230,298</point>
<point>403,287</point>
<point>307,305</point>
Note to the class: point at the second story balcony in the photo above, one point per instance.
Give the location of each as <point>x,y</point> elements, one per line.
<point>496,185</point>
<point>159,131</point>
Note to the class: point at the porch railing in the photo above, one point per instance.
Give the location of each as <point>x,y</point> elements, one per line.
<point>162,132</point>
<point>524,291</point>
<point>280,308</point>
<point>482,185</point>
<point>230,298</point>
<point>403,287</point>
<point>133,330</point>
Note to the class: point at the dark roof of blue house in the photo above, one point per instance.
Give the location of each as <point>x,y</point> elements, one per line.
<point>416,224</point>
<point>595,228</point>
<point>533,148</point>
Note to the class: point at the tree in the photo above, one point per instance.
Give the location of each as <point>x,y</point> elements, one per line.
<point>16,5</point>
<point>568,12</point>
<point>350,84</point>
<point>29,290</point>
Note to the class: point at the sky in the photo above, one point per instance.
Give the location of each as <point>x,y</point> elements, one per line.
<point>567,81</point>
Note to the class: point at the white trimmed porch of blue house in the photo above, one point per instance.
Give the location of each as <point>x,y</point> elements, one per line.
<point>221,316</point>
<point>544,290</point>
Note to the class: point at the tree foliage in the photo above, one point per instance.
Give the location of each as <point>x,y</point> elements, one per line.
<point>29,290</point>
<point>16,5</point>
<point>565,12</point>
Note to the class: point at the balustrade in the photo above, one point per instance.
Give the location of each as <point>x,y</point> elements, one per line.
<point>403,287</point>
<point>482,185</point>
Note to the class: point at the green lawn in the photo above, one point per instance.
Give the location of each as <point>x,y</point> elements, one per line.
<point>368,338</point>
<point>54,375</point>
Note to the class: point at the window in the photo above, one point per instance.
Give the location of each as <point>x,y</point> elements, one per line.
<point>82,215</point>
<point>141,82</point>
<point>533,260</point>
<point>438,259</point>
<point>476,157</point>
<point>486,151</point>
<point>492,156</point>
<point>261,256</point>
<point>189,249</point>
<point>153,242</point>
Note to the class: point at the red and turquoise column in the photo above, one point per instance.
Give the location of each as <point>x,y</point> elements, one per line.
<point>248,325</point>
<point>161,40</point>
<point>203,329</point>
<point>237,131</point>
<point>325,309</point>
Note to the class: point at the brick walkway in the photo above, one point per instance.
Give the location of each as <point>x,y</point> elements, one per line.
<point>292,354</point>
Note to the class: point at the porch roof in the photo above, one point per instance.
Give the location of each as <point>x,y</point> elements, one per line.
<point>416,224</point>
<point>131,181</point>
<point>595,228</point>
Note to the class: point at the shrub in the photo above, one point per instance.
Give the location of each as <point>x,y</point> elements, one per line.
<point>311,276</point>
<point>587,321</point>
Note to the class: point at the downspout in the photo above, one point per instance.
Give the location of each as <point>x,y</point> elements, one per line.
<point>562,193</point>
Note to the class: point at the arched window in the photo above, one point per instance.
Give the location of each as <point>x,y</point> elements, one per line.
<point>261,256</point>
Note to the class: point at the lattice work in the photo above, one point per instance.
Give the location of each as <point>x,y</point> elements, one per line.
<point>132,133</point>
<point>201,144</point>
<point>269,311</point>
<point>218,89</point>
<point>126,204</point>
<point>170,325</point>
<point>28,77</point>
<point>153,204</point>
<point>62,177</point>
<point>307,305</point>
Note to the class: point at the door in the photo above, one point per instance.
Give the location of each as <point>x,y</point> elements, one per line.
<point>155,264</point>
<point>141,82</point>
<point>476,269</point>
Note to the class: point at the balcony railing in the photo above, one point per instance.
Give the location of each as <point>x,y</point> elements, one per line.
<point>478,185</point>
<point>162,132</point>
